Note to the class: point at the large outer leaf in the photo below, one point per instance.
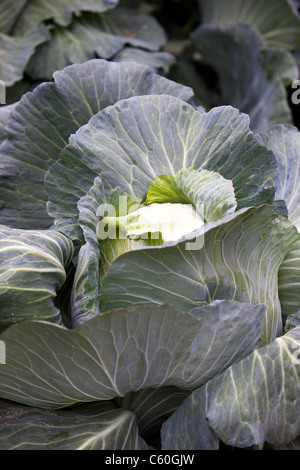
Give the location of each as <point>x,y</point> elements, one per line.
<point>9,15</point>
<point>239,260</point>
<point>138,139</point>
<point>60,12</point>
<point>125,350</point>
<point>95,35</point>
<point>275,19</point>
<point>258,399</point>
<point>16,52</point>
<point>284,141</point>
<point>241,64</point>
<point>44,120</point>
<point>187,428</point>
<point>97,426</point>
<point>32,270</point>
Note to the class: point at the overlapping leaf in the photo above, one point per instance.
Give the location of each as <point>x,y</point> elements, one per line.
<point>85,292</point>
<point>16,52</point>
<point>187,428</point>
<point>97,426</point>
<point>257,400</point>
<point>15,92</point>
<point>32,270</point>
<point>276,20</point>
<point>284,141</point>
<point>95,257</point>
<point>125,350</point>
<point>138,139</point>
<point>252,403</point>
<point>93,35</point>
<point>44,120</point>
<point>240,63</point>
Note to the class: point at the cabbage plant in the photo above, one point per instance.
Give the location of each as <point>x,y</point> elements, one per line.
<point>149,269</point>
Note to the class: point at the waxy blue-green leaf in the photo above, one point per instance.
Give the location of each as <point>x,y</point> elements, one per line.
<point>276,20</point>
<point>241,60</point>
<point>61,12</point>
<point>32,270</point>
<point>159,62</point>
<point>9,15</point>
<point>85,290</point>
<point>239,261</point>
<point>96,426</point>
<point>95,35</point>
<point>44,120</point>
<point>136,140</point>
<point>187,428</point>
<point>284,141</point>
<point>16,52</point>
<point>125,350</point>
<point>258,399</point>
